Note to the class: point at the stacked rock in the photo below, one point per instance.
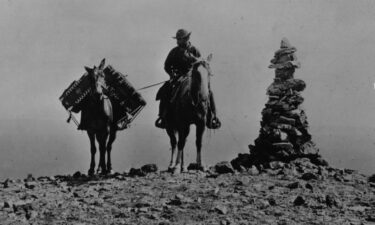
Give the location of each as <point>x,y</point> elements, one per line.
<point>284,132</point>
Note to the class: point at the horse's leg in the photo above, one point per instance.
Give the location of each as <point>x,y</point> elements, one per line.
<point>102,139</point>
<point>172,137</point>
<point>93,152</point>
<point>183,169</point>
<point>182,135</point>
<point>109,133</point>
<point>111,139</point>
<point>198,142</point>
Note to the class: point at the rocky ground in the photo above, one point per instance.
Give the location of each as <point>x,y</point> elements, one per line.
<point>295,193</point>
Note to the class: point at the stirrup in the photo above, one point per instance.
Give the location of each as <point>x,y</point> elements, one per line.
<point>159,123</point>
<point>214,123</point>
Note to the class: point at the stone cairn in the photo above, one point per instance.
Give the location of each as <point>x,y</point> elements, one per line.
<point>284,132</point>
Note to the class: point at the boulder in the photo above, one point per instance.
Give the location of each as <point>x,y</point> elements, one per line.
<point>281,88</point>
<point>253,171</point>
<point>136,172</point>
<point>149,168</point>
<point>319,161</point>
<point>296,84</point>
<point>332,200</point>
<point>221,209</point>
<point>299,200</point>
<point>372,178</point>
<point>224,167</point>
<point>77,175</point>
<point>276,88</point>
<point>275,165</point>
<point>282,151</point>
<point>309,176</point>
<point>295,100</point>
<point>287,146</point>
<point>286,120</point>
<point>242,160</point>
<point>6,183</point>
<point>29,178</point>
<point>309,148</point>
<point>294,185</point>
<point>309,186</point>
<point>30,184</point>
<point>280,106</point>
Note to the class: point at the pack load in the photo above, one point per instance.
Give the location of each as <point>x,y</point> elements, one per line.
<point>72,98</point>
<point>126,101</point>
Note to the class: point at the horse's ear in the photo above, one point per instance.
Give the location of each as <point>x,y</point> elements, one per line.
<point>102,63</point>
<point>209,57</point>
<point>88,69</point>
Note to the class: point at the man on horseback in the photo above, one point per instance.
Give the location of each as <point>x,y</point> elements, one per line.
<point>178,64</point>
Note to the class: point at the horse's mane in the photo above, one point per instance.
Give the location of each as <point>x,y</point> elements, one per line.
<point>187,95</point>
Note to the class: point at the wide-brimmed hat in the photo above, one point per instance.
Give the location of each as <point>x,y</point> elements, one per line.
<point>182,33</point>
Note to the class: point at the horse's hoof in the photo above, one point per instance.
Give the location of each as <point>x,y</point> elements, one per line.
<point>101,172</point>
<point>176,170</point>
<point>183,170</point>
<point>110,172</point>
<point>170,169</point>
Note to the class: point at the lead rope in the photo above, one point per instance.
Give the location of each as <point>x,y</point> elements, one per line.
<point>138,110</point>
<point>152,85</point>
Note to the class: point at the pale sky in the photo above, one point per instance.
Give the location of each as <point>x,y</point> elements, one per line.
<point>44,46</point>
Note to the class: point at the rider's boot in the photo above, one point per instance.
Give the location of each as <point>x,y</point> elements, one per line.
<point>160,122</point>
<point>213,121</point>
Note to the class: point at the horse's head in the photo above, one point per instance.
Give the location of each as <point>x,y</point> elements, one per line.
<point>205,63</point>
<point>98,76</point>
<point>99,101</point>
<point>201,77</point>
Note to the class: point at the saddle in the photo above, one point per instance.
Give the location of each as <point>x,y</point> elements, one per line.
<point>176,87</point>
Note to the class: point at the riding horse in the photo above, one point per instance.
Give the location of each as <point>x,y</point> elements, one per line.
<point>100,125</point>
<point>189,105</point>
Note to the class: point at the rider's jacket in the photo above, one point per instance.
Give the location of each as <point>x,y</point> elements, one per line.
<point>180,60</point>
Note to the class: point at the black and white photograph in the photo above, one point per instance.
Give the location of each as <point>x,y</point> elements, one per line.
<point>194,112</point>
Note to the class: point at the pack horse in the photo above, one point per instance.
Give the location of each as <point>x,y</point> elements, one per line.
<point>108,103</point>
